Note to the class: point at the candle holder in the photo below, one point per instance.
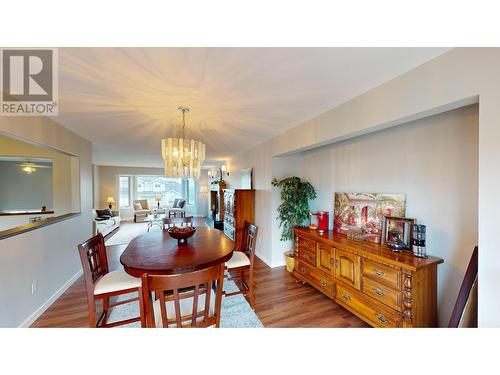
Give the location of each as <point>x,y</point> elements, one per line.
<point>313,220</point>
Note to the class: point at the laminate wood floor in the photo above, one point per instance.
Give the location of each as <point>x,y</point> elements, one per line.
<point>280,301</point>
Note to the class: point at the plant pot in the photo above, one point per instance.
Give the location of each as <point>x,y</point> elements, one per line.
<point>290,261</point>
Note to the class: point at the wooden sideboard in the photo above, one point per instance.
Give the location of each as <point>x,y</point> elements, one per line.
<point>238,208</point>
<point>382,287</point>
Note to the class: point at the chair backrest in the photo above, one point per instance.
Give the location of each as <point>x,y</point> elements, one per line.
<point>250,241</point>
<point>144,203</point>
<point>191,299</point>
<point>169,222</point>
<point>94,260</point>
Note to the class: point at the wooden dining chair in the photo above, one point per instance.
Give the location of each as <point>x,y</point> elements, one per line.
<point>169,222</point>
<point>243,260</point>
<point>103,284</point>
<point>191,299</point>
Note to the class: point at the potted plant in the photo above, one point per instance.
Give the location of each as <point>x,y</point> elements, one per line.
<point>293,210</point>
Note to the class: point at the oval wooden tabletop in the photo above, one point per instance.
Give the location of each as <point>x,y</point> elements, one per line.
<point>158,253</point>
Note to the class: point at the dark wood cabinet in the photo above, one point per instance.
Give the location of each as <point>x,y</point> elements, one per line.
<point>238,208</point>
<point>217,204</point>
<point>384,288</point>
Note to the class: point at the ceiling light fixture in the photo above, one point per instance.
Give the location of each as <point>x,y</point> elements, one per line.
<point>29,169</point>
<point>182,157</point>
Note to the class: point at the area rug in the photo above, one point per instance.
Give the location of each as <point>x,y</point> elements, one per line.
<point>127,232</point>
<point>235,311</point>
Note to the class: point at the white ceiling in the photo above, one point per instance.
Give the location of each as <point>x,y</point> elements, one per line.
<point>125,99</point>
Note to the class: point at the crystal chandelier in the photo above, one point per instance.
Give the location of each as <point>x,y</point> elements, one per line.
<point>183,157</point>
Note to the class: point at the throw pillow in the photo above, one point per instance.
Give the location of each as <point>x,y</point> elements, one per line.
<point>104,213</point>
<point>179,203</point>
<point>137,206</point>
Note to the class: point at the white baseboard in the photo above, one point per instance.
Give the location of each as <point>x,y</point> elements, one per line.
<point>38,312</point>
<point>268,262</point>
<point>280,263</point>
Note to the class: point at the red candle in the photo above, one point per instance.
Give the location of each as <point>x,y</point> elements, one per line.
<point>323,220</point>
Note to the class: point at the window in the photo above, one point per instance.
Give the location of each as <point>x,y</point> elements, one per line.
<point>124,189</point>
<point>149,187</point>
<point>190,192</point>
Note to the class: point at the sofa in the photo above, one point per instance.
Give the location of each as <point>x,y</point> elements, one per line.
<point>141,209</point>
<point>106,226</point>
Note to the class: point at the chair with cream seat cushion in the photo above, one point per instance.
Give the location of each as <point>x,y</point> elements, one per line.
<point>243,260</point>
<point>182,300</point>
<point>169,222</point>
<point>239,259</point>
<point>186,308</point>
<point>116,280</point>
<point>100,283</point>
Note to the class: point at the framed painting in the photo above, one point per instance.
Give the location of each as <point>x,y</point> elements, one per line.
<point>360,216</point>
<point>397,225</point>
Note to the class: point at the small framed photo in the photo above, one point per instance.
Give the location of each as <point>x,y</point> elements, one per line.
<point>394,227</point>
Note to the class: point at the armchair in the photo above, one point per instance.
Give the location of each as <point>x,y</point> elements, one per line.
<point>141,209</point>
<point>178,208</point>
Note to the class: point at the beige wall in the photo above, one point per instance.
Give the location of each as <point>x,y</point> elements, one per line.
<point>47,255</point>
<point>108,180</point>
<point>460,77</point>
<point>62,181</point>
<point>106,177</point>
<point>434,162</point>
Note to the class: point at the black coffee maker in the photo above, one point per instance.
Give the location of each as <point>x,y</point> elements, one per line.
<point>418,240</point>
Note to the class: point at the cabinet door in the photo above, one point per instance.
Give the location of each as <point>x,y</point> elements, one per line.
<point>230,203</point>
<point>325,257</point>
<point>226,202</point>
<point>347,268</point>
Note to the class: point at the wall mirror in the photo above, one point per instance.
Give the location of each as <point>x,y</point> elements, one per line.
<point>246,178</point>
<point>38,184</point>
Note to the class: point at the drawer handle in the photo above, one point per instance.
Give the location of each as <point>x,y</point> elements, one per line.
<point>303,270</point>
<point>324,283</point>
<point>306,257</point>
<point>379,272</point>
<point>332,261</point>
<point>381,318</point>
<point>378,292</point>
<point>346,296</point>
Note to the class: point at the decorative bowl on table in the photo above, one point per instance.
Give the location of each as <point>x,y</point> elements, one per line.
<point>181,234</point>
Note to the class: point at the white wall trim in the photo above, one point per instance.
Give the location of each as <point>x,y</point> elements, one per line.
<point>38,312</point>
<point>280,263</point>
<point>263,258</point>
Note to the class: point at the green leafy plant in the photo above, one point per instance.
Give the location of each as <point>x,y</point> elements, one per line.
<point>294,208</point>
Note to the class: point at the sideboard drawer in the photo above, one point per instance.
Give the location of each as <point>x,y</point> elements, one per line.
<point>382,293</point>
<point>381,317</point>
<point>316,278</point>
<point>382,273</point>
<point>307,256</point>
<point>306,244</point>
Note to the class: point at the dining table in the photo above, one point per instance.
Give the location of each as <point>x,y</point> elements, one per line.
<point>159,254</point>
